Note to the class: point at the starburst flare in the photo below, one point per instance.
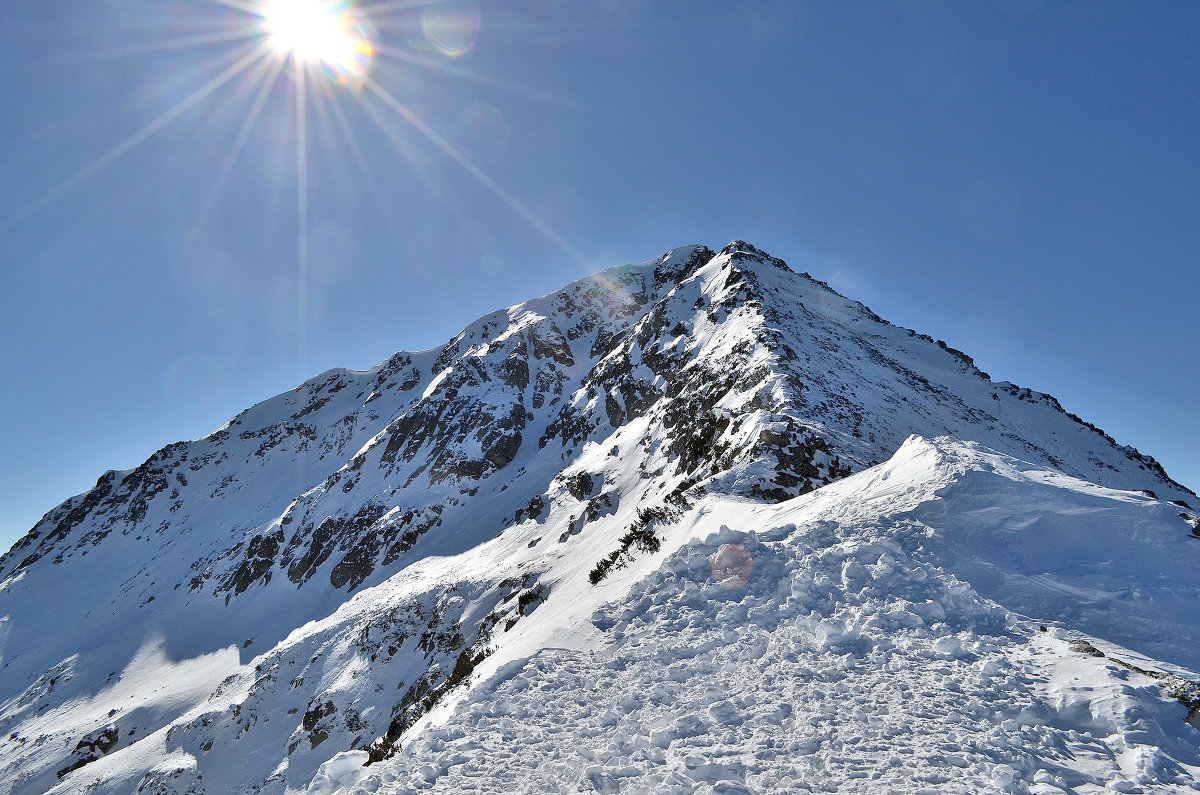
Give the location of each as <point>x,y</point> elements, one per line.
<point>321,34</point>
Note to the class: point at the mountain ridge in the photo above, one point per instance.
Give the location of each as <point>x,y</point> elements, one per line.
<point>541,441</point>
<point>145,485</point>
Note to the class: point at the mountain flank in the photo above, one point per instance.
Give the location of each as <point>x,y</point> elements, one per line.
<point>744,503</point>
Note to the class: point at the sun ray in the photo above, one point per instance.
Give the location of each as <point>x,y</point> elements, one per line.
<point>454,71</point>
<point>450,151</point>
<point>253,52</point>
<point>397,5</point>
<point>302,220</point>
<point>434,186</point>
<point>225,34</point>
<point>336,126</point>
<point>343,124</point>
<point>401,144</point>
<point>324,104</point>
<point>356,153</point>
<point>273,70</point>
<point>253,7</point>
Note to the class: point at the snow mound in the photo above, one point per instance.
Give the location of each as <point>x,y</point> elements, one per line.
<point>1116,564</point>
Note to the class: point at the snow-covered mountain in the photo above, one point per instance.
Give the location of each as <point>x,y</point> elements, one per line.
<point>700,524</point>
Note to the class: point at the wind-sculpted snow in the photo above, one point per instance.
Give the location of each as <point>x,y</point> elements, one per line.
<point>337,567</point>
<point>1116,564</point>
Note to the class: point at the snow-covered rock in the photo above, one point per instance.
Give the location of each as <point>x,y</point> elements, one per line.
<point>700,524</point>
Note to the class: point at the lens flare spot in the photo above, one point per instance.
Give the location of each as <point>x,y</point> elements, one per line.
<point>453,32</point>
<point>732,565</point>
<point>332,35</point>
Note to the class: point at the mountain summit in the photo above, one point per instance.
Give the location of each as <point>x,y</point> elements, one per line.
<point>697,523</point>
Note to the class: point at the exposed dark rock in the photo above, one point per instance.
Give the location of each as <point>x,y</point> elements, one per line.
<point>256,563</point>
<point>531,511</point>
<point>93,746</point>
<point>1084,647</point>
<point>311,546</point>
<point>316,713</point>
<point>316,405</point>
<point>503,449</point>
<point>581,485</point>
<point>515,371</point>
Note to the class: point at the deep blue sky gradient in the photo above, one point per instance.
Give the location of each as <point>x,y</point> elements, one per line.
<point>1020,179</point>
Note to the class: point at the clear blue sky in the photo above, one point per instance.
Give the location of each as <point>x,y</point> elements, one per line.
<point>1020,179</point>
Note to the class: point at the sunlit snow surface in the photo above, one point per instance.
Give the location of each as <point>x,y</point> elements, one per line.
<point>879,634</point>
<point>852,660</point>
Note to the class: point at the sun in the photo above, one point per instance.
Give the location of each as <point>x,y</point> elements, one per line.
<point>334,52</point>
<point>329,34</point>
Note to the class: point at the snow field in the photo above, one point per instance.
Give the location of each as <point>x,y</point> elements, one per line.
<point>318,567</point>
<point>847,662</point>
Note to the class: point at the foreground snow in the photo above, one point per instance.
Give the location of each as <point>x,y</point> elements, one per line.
<point>850,660</point>
<point>838,653</point>
<point>745,709</point>
<point>853,639</point>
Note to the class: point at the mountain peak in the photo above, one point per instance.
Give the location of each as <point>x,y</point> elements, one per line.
<point>741,250</point>
<point>408,521</point>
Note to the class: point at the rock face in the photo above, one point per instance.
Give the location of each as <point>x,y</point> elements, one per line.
<point>578,422</point>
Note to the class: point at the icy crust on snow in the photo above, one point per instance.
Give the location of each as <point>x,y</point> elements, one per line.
<point>839,655</point>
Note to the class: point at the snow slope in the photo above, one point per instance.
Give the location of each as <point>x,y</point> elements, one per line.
<point>852,659</point>
<point>326,578</point>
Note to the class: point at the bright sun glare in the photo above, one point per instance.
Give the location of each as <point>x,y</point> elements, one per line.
<point>335,39</point>
<point>316,33</point>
